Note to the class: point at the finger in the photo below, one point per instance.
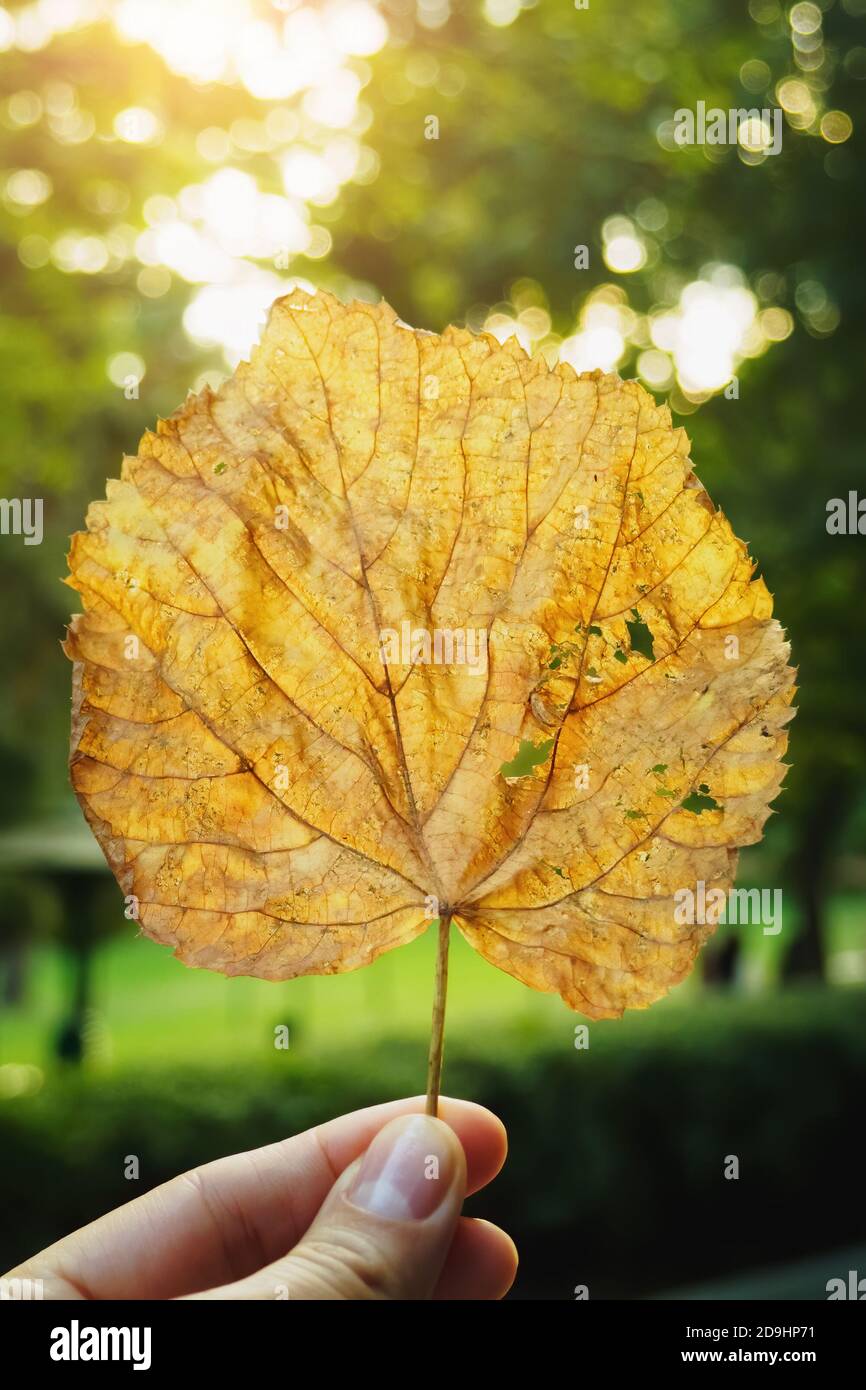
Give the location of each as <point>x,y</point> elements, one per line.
<point>385,1229</point>
<point>224,1220</point>
<point>480,1265</point>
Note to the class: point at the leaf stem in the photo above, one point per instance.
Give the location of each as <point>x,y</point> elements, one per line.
<point>437,1026</point>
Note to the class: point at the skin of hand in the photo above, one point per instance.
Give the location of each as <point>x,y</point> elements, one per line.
<point>367,1206</point>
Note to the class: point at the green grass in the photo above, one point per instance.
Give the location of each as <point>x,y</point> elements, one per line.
<point>150,1009</point>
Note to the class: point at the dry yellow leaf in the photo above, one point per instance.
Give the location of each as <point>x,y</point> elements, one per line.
<point>395,625</point>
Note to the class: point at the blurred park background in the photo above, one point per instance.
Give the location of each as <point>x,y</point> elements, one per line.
<point>167,168</point>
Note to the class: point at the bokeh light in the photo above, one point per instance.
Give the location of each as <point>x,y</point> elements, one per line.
<point>26,188</point>
<point>269,176</point>
<point>600,341</point>
<point>713,327</point>
<point>836,127</point>
<point>230,234</point>
<point>501,13</point>
<point>623,249</point>
<point>232,316</point>
<point>124,365</point>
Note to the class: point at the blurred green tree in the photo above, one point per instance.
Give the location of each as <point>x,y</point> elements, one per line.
<point>550,126</point>
<point>497,141</point>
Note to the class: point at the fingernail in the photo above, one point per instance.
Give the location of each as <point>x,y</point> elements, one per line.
<point>407,1170</point>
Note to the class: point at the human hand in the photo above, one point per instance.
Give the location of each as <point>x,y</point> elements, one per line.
<point>366,1206</point>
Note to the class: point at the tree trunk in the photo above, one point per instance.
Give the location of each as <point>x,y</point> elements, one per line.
<point>807,956</point>
<point>14,974</point>
<point>721,959</point>
<point>822,826</point>
<point>70,1039</point>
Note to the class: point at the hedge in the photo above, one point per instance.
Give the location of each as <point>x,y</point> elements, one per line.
<point>615,1177</point>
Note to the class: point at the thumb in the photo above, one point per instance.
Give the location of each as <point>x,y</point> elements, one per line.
<point>385,1227</point>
